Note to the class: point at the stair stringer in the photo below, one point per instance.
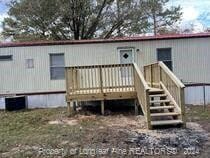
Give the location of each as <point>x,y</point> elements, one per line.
<point>170,97</point>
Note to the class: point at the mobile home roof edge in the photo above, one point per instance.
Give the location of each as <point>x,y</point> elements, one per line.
<point>112,40</point>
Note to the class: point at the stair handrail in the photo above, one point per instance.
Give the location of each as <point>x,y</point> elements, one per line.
<point>173,87</point>
<point>142,90</point>
<point>171,74</point>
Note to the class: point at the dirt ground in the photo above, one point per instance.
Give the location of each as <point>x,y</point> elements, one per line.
<point>50,133</point>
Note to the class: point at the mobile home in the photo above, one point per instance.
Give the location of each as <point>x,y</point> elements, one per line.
<point>36,69</point>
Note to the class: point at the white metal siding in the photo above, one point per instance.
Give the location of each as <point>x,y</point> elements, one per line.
<point>190,61</point>
<point>207,95</point>
<point>195,95</point>
<point>2,103</point>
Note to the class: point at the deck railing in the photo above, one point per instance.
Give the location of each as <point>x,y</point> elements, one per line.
<point>99,78</point>
<point>159,73</point>
<point>152,74</point>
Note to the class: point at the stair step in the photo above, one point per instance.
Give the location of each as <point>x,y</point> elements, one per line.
<point>165,114</point>
<point>166,122</point>
<point>160,101</point>
<point>155,90</point>
<point>161,107</point>
<point>158,95</point>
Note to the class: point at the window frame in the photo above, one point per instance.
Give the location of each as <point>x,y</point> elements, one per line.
<point>172,66</point>
<point>5,60</point>
<point>59,66</point>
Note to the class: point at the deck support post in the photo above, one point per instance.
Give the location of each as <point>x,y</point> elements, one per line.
<point>71,108</point>
<point>75,106</point>
<point>148,116</point>
<point>68,109</point>
<point>102,107</point>
<point>136,107</point>
<point>182,103</point>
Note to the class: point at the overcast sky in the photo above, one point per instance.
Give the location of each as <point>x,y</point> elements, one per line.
<point>195,12</point>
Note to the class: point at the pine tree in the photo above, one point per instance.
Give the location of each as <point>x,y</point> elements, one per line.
<point>161,17</point>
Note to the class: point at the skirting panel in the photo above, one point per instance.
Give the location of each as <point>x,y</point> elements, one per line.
<point>42,101</point>
<point>197,95</point>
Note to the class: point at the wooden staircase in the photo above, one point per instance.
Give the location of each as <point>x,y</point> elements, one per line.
<point>166,96</point>
<point>158,91</point>
<point>162,110</point>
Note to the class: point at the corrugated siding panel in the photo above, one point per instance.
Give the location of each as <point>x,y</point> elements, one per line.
<point>207,95</point>
<point>46,101</point>
<point>195,95</point>
<point>2,103</point>
<point>190,61</point>
<point>17,79</point>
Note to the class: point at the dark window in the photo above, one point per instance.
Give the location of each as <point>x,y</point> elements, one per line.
<point>164,55</point>
<point>57,66</point>
<point>5,57</point>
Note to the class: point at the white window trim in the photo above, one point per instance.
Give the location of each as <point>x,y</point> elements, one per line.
<point>59,66</point>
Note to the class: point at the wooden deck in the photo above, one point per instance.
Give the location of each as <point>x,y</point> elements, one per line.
<point>108,94</point>
<point>158,91</point>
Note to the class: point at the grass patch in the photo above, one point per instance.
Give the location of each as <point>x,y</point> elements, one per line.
<point>198,113</point>
<point>32,128</point>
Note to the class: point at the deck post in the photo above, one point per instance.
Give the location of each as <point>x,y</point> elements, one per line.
<point>102,107</point>
<point>151,69</point>
<point>136,107</point>
<point>101,79</point>
<point>182,104</point>
<point>75,106</point>
<point>148,116</point>
<point>70,108</point>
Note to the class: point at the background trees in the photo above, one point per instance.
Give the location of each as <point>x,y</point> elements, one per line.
<point>85,19</point>
<point>161,18</point>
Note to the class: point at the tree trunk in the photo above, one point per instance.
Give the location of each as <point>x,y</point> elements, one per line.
<point>118,18</point>
<point>94,25</point>
<point>155,24</point>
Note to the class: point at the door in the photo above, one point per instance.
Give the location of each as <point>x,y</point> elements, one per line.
<point>126,57</point>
